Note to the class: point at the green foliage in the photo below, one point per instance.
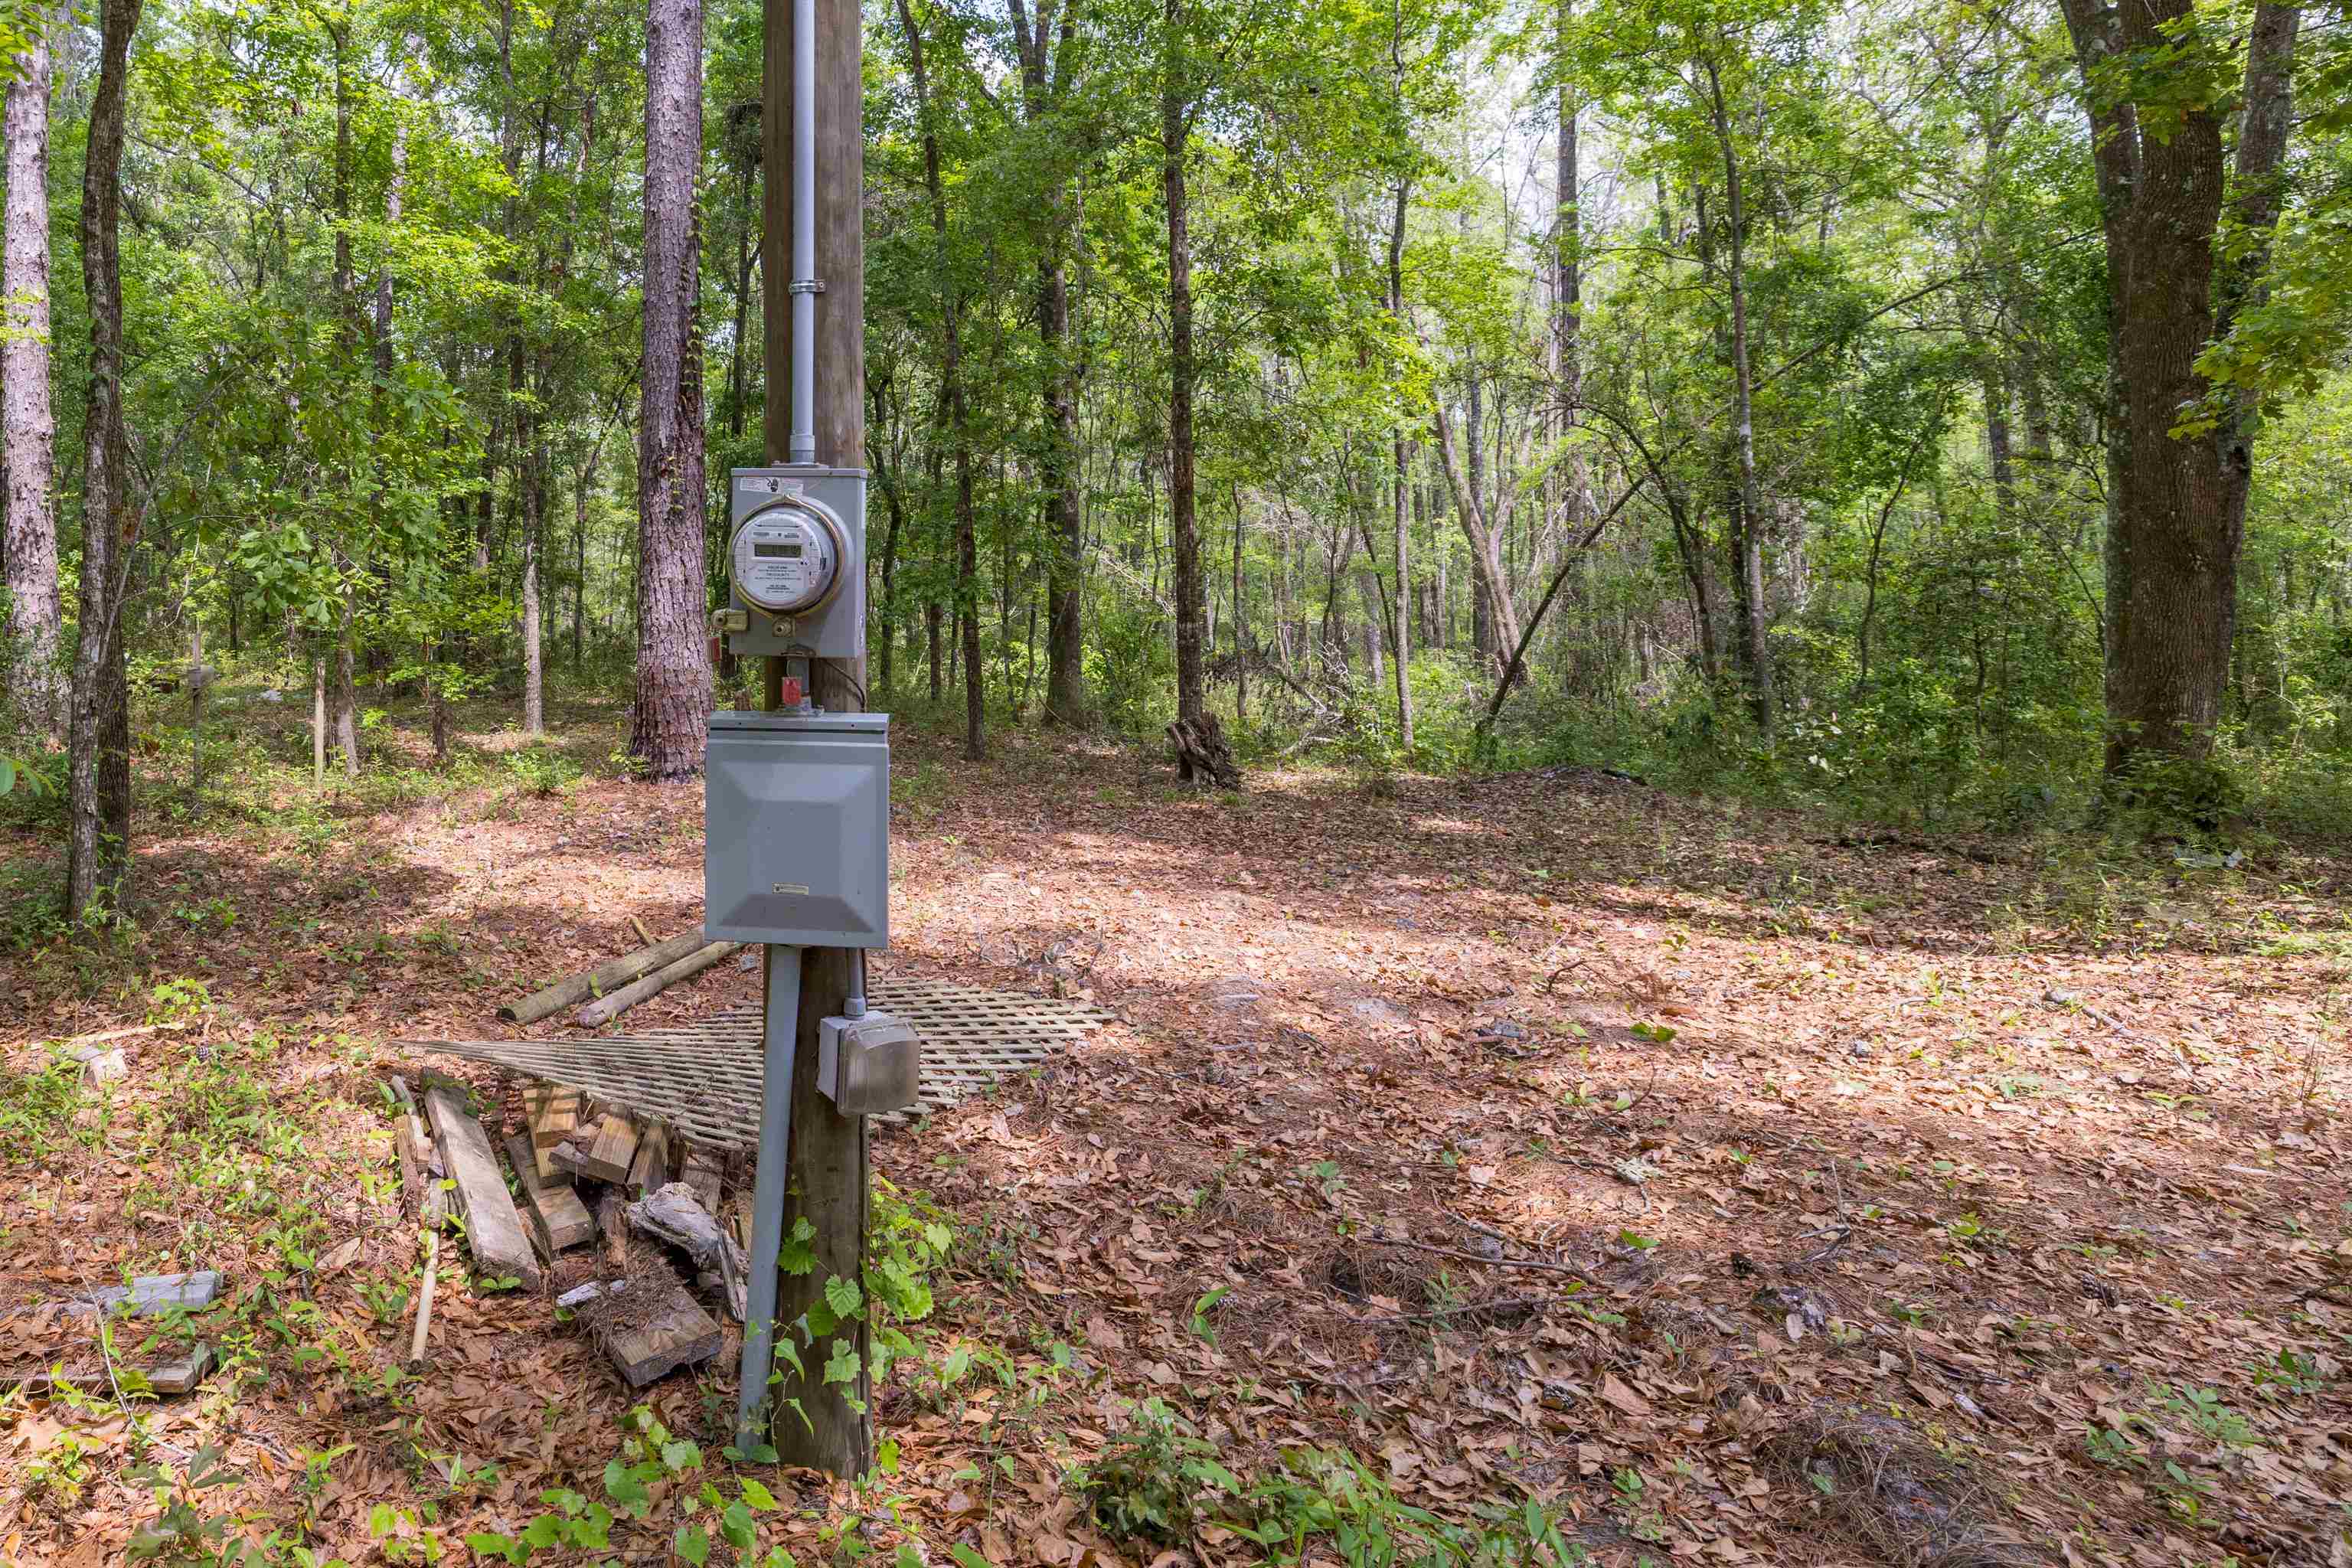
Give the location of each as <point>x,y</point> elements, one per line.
<point>1158,1480</point>
<point>540,770</point>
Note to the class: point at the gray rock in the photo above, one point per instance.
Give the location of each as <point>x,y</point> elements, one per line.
<point>580,1295</point>
<point>149,1294</point>
<point>180,1375</point>
<point>103,1064</point>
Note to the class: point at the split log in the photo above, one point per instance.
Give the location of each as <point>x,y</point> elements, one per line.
<point>596,981</point>
<point>493,1227</point>
<point>556,1211</point>
<point>605,1009</point>
<point>1201,752</point>
<point>675,1215</point>
<point>610,1220</point>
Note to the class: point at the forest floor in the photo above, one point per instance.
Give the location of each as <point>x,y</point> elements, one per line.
<point>1731,1186</point>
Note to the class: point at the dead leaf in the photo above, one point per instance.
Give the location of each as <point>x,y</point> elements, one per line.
<point>1623,1397</point>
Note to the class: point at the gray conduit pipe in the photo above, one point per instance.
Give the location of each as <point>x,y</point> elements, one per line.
<point>804,284</point>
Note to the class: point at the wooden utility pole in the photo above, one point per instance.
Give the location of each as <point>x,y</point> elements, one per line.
<point>829,1179</point>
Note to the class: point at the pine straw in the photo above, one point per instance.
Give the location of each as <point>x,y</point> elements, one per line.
<point>1891,1492</point>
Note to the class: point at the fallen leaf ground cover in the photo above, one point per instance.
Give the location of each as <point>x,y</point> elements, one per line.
<point>1722,1183</point>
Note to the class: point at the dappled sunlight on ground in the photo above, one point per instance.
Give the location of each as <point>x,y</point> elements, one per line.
<point>1539,1135</point>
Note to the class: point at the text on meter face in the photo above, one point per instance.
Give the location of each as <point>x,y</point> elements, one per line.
<point>783,561</point>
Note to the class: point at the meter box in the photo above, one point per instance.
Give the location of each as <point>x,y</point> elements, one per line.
<point>796,561</point>
<point>796,812</point>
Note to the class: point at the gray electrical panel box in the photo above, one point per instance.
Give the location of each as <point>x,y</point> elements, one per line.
<point>796,817</point>
<point>796,562</point>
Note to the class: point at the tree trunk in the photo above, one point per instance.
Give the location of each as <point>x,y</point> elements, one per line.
<point>579,567</point>
<point>28,534</point>
<point>1998,456</point>
<point>931,618</point>
<point>1066,698</point>
<point>1486,549</point>
<point>98,802</point>
<point>1240,624</point>
<point>2177,504</point>
<point>1184,531</point>
<point>966,542</point>
<point>673,686</point>
<point>1400,458</point>
<point>347,726</point>
<point>534,688</point>
<point>1748,535</point>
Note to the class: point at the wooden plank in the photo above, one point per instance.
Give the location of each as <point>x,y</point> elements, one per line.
<point>556,1211</point>
<point>649,1341</point>
<point>494,1229</point>
<point>612,1150</point>
<point>649,1172</point>
<point>701,1169</point>
<point>554,1112</point>
<point>602,1153</point>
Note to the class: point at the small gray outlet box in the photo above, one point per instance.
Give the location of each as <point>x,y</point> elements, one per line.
<point>869,1065</point>
<point>796,829</point>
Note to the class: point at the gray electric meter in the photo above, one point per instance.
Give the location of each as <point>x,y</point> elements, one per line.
<point>796,562</point>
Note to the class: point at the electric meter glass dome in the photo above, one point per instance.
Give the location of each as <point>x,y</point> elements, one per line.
<point>788,558</point>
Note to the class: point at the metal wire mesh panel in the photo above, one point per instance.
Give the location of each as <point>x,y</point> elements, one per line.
<point>703,1078</point>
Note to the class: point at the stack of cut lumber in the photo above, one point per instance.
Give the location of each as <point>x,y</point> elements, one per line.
<point>575,1164</point>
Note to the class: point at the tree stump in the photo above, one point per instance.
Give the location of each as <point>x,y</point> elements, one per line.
<point>1201,752</point>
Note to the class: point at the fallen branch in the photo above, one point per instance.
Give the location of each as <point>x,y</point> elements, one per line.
<point>596,981</point>
<point>1506,1304</point>
<point>605,1009</point>
<point>1540,1265</point>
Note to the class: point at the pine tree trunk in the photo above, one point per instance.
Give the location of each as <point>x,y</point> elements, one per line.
<point>29,533</point>
<point>98,798</point>
<point>673,688</point>
<point>1184,528</point>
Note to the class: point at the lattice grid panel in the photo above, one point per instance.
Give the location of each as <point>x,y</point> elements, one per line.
<point>705,1078</point>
